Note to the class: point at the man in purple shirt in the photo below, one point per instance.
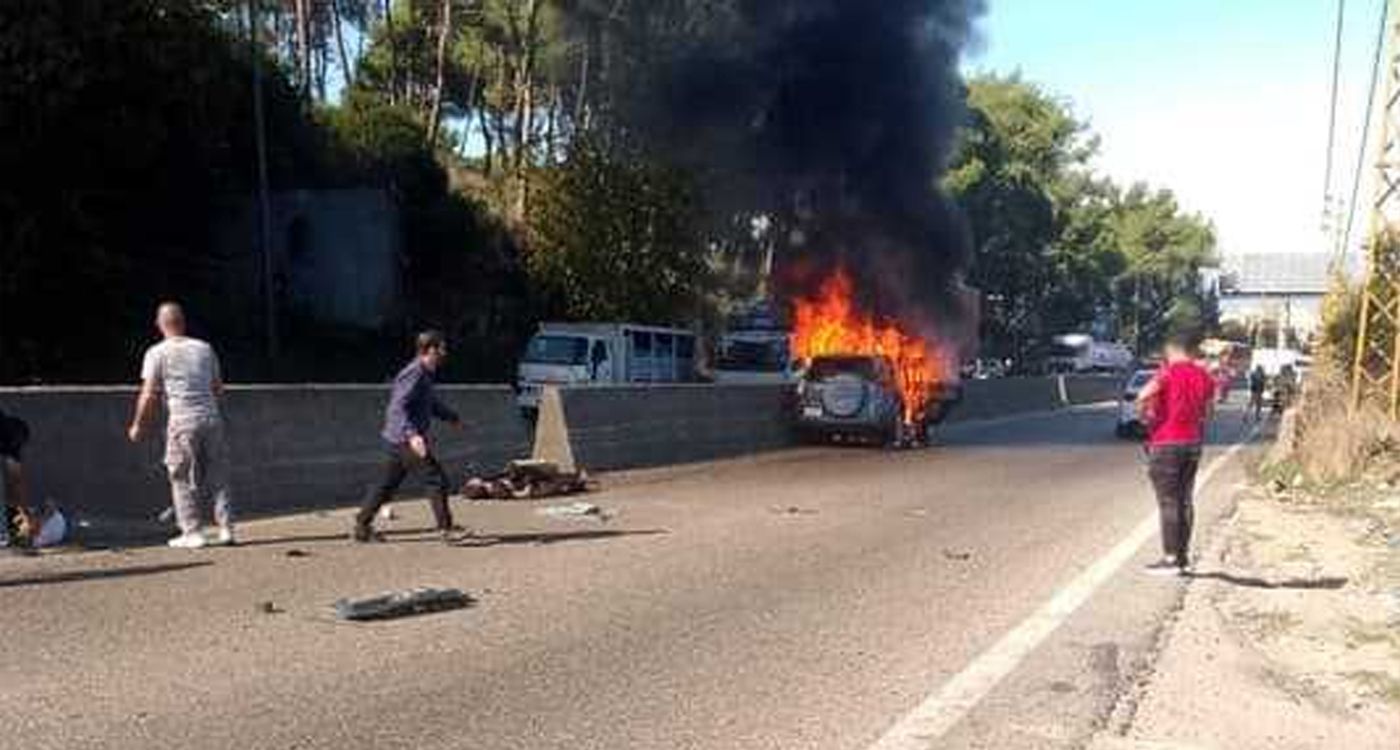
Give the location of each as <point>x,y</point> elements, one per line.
<point>412,408</point>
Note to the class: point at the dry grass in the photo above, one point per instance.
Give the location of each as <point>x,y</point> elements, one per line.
<point>1379,685</point>
<point>1331,443</point>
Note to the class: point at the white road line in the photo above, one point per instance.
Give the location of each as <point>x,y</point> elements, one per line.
<point>944,708</point>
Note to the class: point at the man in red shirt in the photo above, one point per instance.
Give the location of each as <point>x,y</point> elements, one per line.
<point>1175,406</point>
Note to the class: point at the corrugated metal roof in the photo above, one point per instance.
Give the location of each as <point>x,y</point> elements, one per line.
<point>1278,273</point>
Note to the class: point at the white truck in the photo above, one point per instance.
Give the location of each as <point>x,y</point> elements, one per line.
<point>581,353</point>
<point>1079,353</point>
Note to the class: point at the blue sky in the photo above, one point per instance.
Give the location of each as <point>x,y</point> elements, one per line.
<point>1222,101</point>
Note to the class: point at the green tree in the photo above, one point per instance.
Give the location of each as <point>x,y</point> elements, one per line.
<point>1011,174</point>
<point>616,238</point>
<point>1057,248</point>
<point>122,124</point>
<point>1165,250</point>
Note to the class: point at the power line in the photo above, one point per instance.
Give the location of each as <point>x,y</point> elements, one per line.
<point>1340,254</point>
<point>1375,363</point>
<point>1332,108</point>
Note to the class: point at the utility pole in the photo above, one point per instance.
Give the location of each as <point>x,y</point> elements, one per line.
<point>1376,361</point>
<point>264,200</point>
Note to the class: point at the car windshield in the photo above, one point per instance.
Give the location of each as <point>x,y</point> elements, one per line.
<point>557,350</point>
<point>753,356</point>
<point>827,367</point>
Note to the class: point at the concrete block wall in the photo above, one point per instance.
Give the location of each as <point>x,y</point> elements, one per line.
<point>986,399</point>
<point>301,447</point>
<point>1089,389</point>
<point>293,447</point>
<point>625,427</point>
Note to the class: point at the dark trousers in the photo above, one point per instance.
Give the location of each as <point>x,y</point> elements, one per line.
<point>1172,469</point>
<point>398,461</point>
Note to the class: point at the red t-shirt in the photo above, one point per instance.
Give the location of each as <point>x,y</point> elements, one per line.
<point>1178,414</point>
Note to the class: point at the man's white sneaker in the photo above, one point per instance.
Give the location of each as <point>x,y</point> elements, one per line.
<point>225,537</point>
<point>193,540</point>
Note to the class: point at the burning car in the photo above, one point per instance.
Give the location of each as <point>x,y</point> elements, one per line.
<point>866,377</point>
<point>850,396</point>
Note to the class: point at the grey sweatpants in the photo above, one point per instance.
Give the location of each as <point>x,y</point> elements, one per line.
<point>196,455</point>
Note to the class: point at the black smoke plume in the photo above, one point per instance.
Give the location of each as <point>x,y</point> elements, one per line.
<point>835,118</point>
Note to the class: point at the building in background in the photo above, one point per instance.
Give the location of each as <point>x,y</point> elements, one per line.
<point>1271,292</point>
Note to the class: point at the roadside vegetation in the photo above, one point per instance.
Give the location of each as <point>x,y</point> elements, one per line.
<point>1321,527</point>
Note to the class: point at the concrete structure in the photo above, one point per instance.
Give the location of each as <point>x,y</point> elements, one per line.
<point>625,427</point>
<point>335,254</point>
<point>317,446</point>
<point>1279,288</point>
<point>293,447</point>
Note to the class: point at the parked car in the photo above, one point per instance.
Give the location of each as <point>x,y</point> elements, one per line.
<point>1129,425</point>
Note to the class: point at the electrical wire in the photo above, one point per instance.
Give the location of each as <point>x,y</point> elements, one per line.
<point>1340,253</point>
<point>1332,108</point>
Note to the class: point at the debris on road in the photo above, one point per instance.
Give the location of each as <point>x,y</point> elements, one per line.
<point>527,480</point>
<point>575,510</point>
<point>269,608</point>
<point>402,604</point>
<point>793,510</point>
<point>959,555</point>
<point>297,553</point>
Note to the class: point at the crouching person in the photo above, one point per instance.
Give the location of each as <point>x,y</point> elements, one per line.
<point>185,371</point>
<point>14,511</point>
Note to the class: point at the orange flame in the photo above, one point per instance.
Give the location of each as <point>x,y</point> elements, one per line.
<point>830,324</point>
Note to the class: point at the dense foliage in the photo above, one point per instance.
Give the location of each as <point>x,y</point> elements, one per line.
<point>617,239</point>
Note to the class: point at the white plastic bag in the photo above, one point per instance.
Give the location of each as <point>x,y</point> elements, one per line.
<point>53,531</point>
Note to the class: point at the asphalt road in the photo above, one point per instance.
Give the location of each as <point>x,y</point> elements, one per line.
<point>800,600</point>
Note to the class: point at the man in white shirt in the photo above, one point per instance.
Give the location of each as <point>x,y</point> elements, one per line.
<point>186,371</point>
